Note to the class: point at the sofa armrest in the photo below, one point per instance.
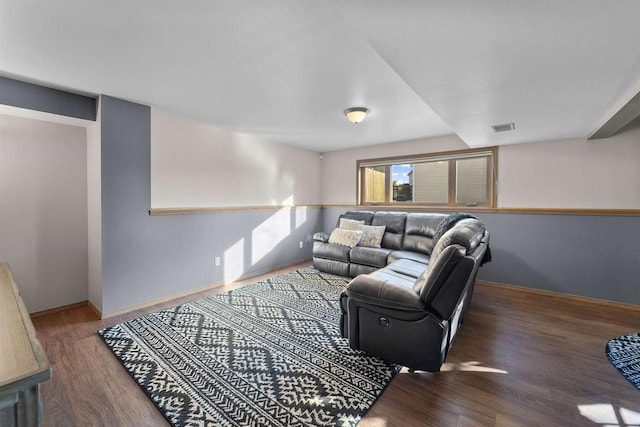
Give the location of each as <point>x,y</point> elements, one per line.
<point>386,290</point>
<point>321,237</point>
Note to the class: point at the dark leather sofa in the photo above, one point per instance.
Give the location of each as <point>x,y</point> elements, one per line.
<point>406,236</point>
<point>410,295</point>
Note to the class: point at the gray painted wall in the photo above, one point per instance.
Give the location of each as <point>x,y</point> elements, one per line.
<point>591,256</point>
<point>151,257</point>
<point>40,98</point>
<point>148,257</point>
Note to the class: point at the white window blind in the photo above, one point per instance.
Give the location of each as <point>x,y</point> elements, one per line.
<point>431,182</point>
<point>471,180</point>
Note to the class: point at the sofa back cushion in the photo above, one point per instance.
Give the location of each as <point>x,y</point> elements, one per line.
<point>365,216</point>
<point>394,223</point>
<point>419,231</point>
<point>461,240</point>
<point>467,233</point>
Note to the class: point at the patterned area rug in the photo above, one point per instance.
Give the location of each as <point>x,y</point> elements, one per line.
<point>624,354</point>
<point>268,354</point>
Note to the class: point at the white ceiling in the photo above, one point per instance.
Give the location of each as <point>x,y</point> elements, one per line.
<point>286,70</point>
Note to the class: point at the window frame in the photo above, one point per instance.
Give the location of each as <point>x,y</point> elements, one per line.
<point>450,156</point>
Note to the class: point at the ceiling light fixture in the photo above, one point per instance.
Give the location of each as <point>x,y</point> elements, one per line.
<point>356,114</point>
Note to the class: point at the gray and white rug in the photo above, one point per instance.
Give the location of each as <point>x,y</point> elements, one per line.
<point>624,353</point>
<point>268,354</point>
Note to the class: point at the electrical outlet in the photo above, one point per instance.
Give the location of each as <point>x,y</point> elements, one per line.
<point>216,261</point>
<point>301,244</point>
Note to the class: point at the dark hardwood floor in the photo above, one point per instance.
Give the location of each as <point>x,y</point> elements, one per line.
<point>520,359</point>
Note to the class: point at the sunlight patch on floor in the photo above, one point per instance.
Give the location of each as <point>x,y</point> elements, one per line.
<point>605,414</point>
<point>373,422</point>
<point>471,366</point>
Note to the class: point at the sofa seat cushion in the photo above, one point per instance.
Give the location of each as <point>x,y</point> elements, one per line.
<point>413,256</point>
<point>375,257</point>
<point>386,288</point>
<point>340,268</point>
<point>331,251</point>
<point>407,267</point>
<point>358,269</point>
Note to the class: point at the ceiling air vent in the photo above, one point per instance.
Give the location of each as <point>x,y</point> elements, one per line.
<point>503,128</point>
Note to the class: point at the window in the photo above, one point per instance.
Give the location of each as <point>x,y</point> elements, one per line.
<point>460,178</point>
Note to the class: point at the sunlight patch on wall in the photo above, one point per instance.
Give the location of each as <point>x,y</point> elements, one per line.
<point>269,234</point>
<point>234,262</point>
<point>301,217</point>
<point>288,201</point>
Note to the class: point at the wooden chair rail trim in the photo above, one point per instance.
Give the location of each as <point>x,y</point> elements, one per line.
<point>218,209</point>
<point>535,211</point>
<point>402,207</point>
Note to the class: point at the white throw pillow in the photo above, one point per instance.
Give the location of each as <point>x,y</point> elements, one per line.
<point>350,224</point>
<point>371,235</point>
<point>349,238</point>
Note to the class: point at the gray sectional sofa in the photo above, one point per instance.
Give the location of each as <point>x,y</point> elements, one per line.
<point>408,296</point>
<point>406,236</point>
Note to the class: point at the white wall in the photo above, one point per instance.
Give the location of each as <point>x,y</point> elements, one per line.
<point>43,210</point>
<point>198,165</point>
<point>94,212</point>
<point>572,173</point>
